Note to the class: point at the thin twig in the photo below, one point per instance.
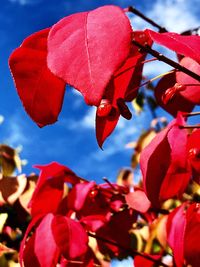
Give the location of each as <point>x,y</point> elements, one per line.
<point>150,21</point>
<point>190,114</point>
<point>129,250</point>
<point>161,57</point>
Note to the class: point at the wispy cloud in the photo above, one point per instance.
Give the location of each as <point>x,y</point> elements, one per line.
<point>24,2</point>
<point>13,133</point>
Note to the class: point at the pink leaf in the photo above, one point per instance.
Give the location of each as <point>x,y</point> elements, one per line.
<point>69,236</point>
<point>138,200</point>
<point>85,49</point>
<point>188,46</point>
<point>45,247</point>
<point>40,91</point>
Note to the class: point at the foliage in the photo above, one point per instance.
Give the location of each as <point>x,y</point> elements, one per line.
<point>75,222</point>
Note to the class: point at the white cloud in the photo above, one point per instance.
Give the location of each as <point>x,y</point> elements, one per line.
<point>175,15</point>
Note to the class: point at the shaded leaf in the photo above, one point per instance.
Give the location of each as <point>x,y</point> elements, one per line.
<point>191,91</point>
<point>69,236</point>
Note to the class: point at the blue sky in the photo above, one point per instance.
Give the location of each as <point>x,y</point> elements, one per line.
<point>71,141</point>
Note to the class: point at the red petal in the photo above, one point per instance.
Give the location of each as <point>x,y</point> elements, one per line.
<point>177,102</point>
<point>70,237</point>
<point>191,93</point>
<point>85,49</point>
<point>40,91</point>
<point>175,230</point>
<point>138,200</point>
<point>188,46</point>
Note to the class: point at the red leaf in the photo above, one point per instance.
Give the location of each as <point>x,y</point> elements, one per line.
<point>188,46</point>
<point>94,222</point>
<point>85,49</point>
<point>140,261</point>
<point>191,93</point>
<point>193,148</point>
<point>138,200</point>
<point>192,235</point>
<point>69,236</point>
<point>78,195</point>
<point>177,101</point>
<point>175,231</point>
<point>124,85</point>
<point>50,185</point>
<point>170,175</point>
<point>45,247</point>
<point>40,91</point>
<point>152,169</point>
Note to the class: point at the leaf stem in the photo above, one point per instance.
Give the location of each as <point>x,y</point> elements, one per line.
<point>190,114</point>
<point>130,250</point>
<point>189,126</point>
<point>150,21</point>
<point>170,62</point>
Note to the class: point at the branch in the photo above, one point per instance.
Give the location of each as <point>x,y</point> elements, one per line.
<point>131,251</point>
<point>150,21</point>
<point>159,56</point>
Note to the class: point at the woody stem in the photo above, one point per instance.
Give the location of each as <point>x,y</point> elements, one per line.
<point>160,57</point>
<point>150,21</point>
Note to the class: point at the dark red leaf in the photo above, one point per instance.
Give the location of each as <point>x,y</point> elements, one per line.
<point>69,236</point>
<point>177,102</point>
<point>192,88</point>
<point>85,49</point>
<point>40,91</point>
<point>140,261</point>
<point>188,46</point>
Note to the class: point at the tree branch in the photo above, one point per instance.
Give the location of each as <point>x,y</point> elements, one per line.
<point>161,57</point>
<point>150,21</point>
